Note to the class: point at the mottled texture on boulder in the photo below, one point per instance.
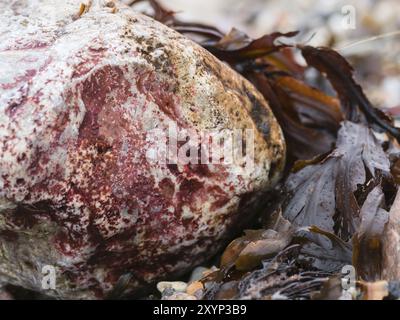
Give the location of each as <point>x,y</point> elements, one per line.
<point>81,85</point>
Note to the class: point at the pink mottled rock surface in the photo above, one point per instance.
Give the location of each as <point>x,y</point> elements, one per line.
<point>391,243</point>
<point>80,88</point>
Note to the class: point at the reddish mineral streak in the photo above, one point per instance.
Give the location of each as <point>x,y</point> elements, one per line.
<point>73,141</point>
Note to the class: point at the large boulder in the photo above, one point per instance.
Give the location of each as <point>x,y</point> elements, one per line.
<point>84,87</point>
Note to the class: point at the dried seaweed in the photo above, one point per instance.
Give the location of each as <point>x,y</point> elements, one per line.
<point>322,194</point>
<point>331,255</point>
<point>354,102</point>
<point>160,13</point>
<point>281,277</point>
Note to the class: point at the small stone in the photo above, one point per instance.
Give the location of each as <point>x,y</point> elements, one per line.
<point>210,270</point>
<point>167,292</point>
<point>197,274</point>
<point>177,286</point>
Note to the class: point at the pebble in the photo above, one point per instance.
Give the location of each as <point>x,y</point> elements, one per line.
<point>177,286</point>
<point>197,273</point>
